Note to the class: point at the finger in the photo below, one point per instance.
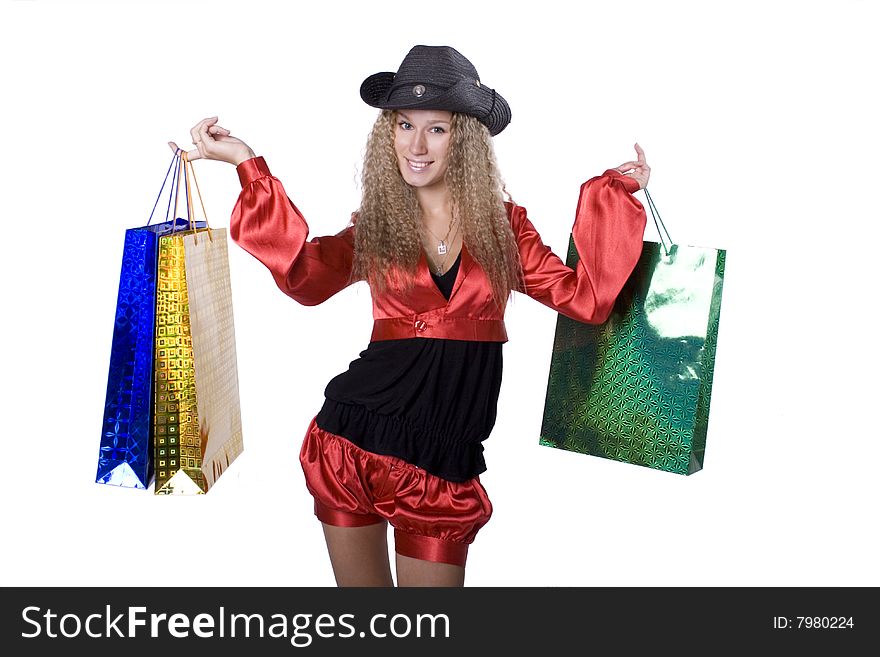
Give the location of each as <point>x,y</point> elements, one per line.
<point>627,165</point>
<point>191,155</point>
<point>202,138</point>
<point>194,131</point>
<point>199,129</point>
<point>204,135</point>
<point>640,152</point>
<point>205,139</point>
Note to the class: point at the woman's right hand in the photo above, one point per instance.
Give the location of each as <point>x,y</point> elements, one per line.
<point>215,143</point>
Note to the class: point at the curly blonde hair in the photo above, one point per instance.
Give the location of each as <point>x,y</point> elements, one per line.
<point>388,223</point>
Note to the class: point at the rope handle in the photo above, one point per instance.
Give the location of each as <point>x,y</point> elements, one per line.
<point>658,222</point>
<point>186,167</point>
<point>174,160</point>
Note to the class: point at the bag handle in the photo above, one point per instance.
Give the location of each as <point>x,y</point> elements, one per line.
<point>658,222</point>
<point>186,170</point>
<point>174,180</point>
<point>188,163</point>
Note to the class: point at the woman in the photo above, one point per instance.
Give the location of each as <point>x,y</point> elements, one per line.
<point>399,437</point>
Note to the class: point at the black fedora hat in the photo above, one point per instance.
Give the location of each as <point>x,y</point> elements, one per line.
<point>437,77</point>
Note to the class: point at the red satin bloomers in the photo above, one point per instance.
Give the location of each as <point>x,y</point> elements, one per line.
<point>433,519</point>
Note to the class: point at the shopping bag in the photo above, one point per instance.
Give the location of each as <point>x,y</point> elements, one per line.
<point>638,388</point>
<point>197,417</point>
<point>125,454</point>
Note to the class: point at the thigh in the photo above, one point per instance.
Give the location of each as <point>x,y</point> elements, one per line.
<point>359,555</point>
<point>420,572</point>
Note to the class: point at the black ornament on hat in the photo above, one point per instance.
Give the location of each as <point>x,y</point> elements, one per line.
<point>441,78</point>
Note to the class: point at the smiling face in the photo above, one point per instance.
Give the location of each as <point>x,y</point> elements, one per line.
<point>421,142</point>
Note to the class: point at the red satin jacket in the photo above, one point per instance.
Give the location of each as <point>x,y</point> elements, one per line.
<point>608,229</point>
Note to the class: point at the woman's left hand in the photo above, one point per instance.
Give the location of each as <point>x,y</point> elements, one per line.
<point>638,169</point>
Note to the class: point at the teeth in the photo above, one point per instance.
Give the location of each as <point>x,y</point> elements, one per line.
<point>418,165</point>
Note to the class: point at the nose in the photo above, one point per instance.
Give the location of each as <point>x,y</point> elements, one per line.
<point>419,143</point>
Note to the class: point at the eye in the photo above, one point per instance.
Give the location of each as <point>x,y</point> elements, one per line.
<point>404,125</point>
<point>439,130</point>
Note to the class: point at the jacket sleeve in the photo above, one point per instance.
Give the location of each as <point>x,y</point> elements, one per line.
<point>266,224</point>
<point>608,230</point>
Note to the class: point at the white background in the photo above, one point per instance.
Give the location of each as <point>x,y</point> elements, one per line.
<point>760,124</point>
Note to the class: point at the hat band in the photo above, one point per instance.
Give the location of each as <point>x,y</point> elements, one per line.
<point>410,84</point>
<point>401,85</point>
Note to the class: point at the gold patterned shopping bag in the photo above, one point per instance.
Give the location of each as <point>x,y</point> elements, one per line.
<point>197,414</point>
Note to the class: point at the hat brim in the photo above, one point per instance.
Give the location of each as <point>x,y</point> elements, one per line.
<point>465,97</point>
<point>375,88</point>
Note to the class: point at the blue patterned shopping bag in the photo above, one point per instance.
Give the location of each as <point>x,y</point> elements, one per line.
<point>125,456</point>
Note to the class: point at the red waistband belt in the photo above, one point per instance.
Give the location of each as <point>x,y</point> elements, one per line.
<point>478,330</point>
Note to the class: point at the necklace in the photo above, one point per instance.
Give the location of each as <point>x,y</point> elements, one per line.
<point>441,243</point>
<point>442,264</point>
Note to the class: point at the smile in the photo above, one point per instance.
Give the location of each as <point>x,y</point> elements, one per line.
<point>418,166</point>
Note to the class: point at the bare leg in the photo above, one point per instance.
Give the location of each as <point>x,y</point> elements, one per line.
<point>418,572</point>
<point>359,555</point>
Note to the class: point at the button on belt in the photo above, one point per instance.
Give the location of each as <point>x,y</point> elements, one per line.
<point>420,325</point>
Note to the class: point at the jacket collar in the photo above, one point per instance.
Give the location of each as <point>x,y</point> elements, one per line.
<point>423,275</point>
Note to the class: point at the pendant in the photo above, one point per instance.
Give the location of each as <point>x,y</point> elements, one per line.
<point>441,248</point>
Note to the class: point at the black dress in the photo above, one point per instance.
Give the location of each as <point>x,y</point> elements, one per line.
<point>428,401</point>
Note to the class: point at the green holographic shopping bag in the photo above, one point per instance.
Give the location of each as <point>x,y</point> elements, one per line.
<point>637,388</point>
